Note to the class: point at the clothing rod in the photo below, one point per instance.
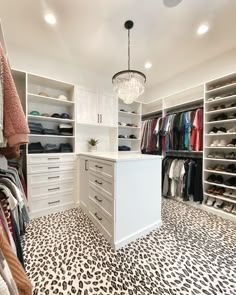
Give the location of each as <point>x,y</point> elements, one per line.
<point>150,117</point>
<point>192,108</point>
<point>184,154</point>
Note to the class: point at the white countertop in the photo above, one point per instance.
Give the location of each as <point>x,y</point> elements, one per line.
<point>123,156</point>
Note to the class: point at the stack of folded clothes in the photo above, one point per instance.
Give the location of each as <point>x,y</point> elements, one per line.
<point>123,148</point>
<point>35,128</point>
<point>51,148</point>
<point>35,148</point>
<point>65,129</point>
<point>50,131</point>
<point>65,148</point>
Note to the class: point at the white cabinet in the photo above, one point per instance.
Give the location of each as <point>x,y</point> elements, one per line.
<point>96,109</point>
<point>87,107</point>
<point>83,183</point>
<point>108,110</point>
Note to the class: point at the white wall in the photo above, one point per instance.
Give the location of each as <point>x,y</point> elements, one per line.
<point>211,69</point>
<point>58,70</point>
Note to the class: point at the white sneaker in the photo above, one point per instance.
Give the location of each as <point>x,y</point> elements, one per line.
<point>215,142</point>
<point>222,143</point>
<point>231,130</point>
<point>210,201</point>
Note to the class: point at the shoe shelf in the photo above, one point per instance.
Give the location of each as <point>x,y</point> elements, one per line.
<point>220,172</point>
<point>129,114</point>
<point>221,147</point>
<point>129,127</point>
<point>220,159</point>
<point>221,90</point>
<point>217,211</point>
<point>221,197</point>
<point>221,134</point>
<point>48,100</point>
<point>226,99</point>
<point>220,122</point>
<point>129,139</point>
<point>221,185</point>
<point>226,110</point>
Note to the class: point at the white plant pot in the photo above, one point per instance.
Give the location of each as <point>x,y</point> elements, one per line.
<point>92,148</point>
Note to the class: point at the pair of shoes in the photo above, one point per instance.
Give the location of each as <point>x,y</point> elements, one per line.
<point>218,130</point>
<point>216,155</point>
<point>230,193</point>
<point>231,130</point>
<point>216,168</point>
<point>220,107</point>
<point>221,117</point>
<point>231,168</point>
<point>215,178</point>
<point>228,207</point>
<point>232,143</point>
<point>230,156</point>
<point>231,181</point>
<point>210,201</point>
<point>219,204</point>
<point>232,116</point>
<point>218,143</point>
<point>216,190</point>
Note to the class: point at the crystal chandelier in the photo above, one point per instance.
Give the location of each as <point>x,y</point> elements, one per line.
<point>129,84</point>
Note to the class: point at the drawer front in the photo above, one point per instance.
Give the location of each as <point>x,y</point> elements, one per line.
<point>46,168</point>
<point>47,159</point>
<point>38,190</point>
<point>101,220</point>
<point>52,201</point>
<point>101,184</point>
<point>104,202</point>
<point>47,178</point>
<point>102,168</point>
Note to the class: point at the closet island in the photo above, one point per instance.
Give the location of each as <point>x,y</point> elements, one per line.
<point>121,194</point>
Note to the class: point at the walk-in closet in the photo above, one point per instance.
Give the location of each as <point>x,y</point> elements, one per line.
<point>117,147</point>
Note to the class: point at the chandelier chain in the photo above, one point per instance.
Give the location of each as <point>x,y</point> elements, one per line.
<point>128,49</point>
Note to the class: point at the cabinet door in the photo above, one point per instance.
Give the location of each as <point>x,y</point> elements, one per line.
<point>84,183</point>
<point>108,110</point>
<point>87,111</point>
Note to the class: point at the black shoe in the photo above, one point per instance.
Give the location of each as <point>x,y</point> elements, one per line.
<point>231,168</point>
<point>211,178</point>
<point>221,117</point>
<point>231,181</point>
<point>132,136</point>
<point>221,130</point>
<point>213,130</point>
<point>219,179</point>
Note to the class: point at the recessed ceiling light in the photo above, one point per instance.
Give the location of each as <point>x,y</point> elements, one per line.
<point>148,65</point>
<point>202,29</point>
<point>50,19</point>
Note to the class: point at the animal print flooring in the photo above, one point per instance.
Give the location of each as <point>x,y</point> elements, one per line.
<point>192,253</point>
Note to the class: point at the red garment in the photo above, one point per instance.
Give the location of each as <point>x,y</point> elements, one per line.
<point>2,222</point>
<point>7,211</point>
<point>150,144</point>
<point>196,140</point>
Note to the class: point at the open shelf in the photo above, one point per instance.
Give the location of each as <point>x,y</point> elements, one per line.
<point>49,119</point>
<point>49,100</point>
<point>220,134</point>
<point>222,160</point>
<point>51,136</point>
<point>129,114</point>
<point>220,172</point>
<point>222,89</point>
<point>130,139</point>
<point>220,100</point>
<point>221,147</point>
<point>129,127</point>
<point>221,185</point>
<point>224,198</point>
<point>227,110</point>
<point>221,122</point>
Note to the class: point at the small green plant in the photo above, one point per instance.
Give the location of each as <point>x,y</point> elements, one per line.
<point>93,141</point>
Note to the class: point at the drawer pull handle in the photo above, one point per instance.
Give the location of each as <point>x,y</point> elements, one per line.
<point>53,177</point>
<point>99,200</point>
<point>54,167</point>
<point>55,202</point>
<point>98,182</point>
<point>53,189</point>
<point>53,158</point>
<point>100,167</point>
<point>99,218</point>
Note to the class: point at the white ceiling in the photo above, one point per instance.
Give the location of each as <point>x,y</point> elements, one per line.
<point>90,33</point>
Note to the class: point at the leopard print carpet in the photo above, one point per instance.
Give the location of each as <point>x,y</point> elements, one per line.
<point>194,252</point>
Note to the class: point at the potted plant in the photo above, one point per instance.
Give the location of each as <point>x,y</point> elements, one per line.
<point>92,142</point>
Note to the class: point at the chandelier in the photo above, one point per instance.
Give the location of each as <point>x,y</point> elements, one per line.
<point>129,84</point>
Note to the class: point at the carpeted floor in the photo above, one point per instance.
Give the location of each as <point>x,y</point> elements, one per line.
<point>192,253</point>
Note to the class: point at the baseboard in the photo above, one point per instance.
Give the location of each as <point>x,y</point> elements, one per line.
<point>137,234</point>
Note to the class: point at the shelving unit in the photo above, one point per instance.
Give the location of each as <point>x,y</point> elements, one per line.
<point>128,117</point>
<point>222,95</point>
<point>43,96</point>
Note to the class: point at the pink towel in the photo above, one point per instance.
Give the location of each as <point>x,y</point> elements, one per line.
<point>15,127</point>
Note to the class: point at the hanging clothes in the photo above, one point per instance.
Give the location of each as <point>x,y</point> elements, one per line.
<point>15,128</point>
<point>182,178</point>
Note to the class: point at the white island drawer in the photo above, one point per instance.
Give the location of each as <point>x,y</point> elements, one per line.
<point>104,202</point>
<point>102,168</point>
<point>47,158</point>
<point>46,168</point>
<point>48,178</point>
<point>37,190</point>
<point>101,184</point>
<point>103,223</point>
